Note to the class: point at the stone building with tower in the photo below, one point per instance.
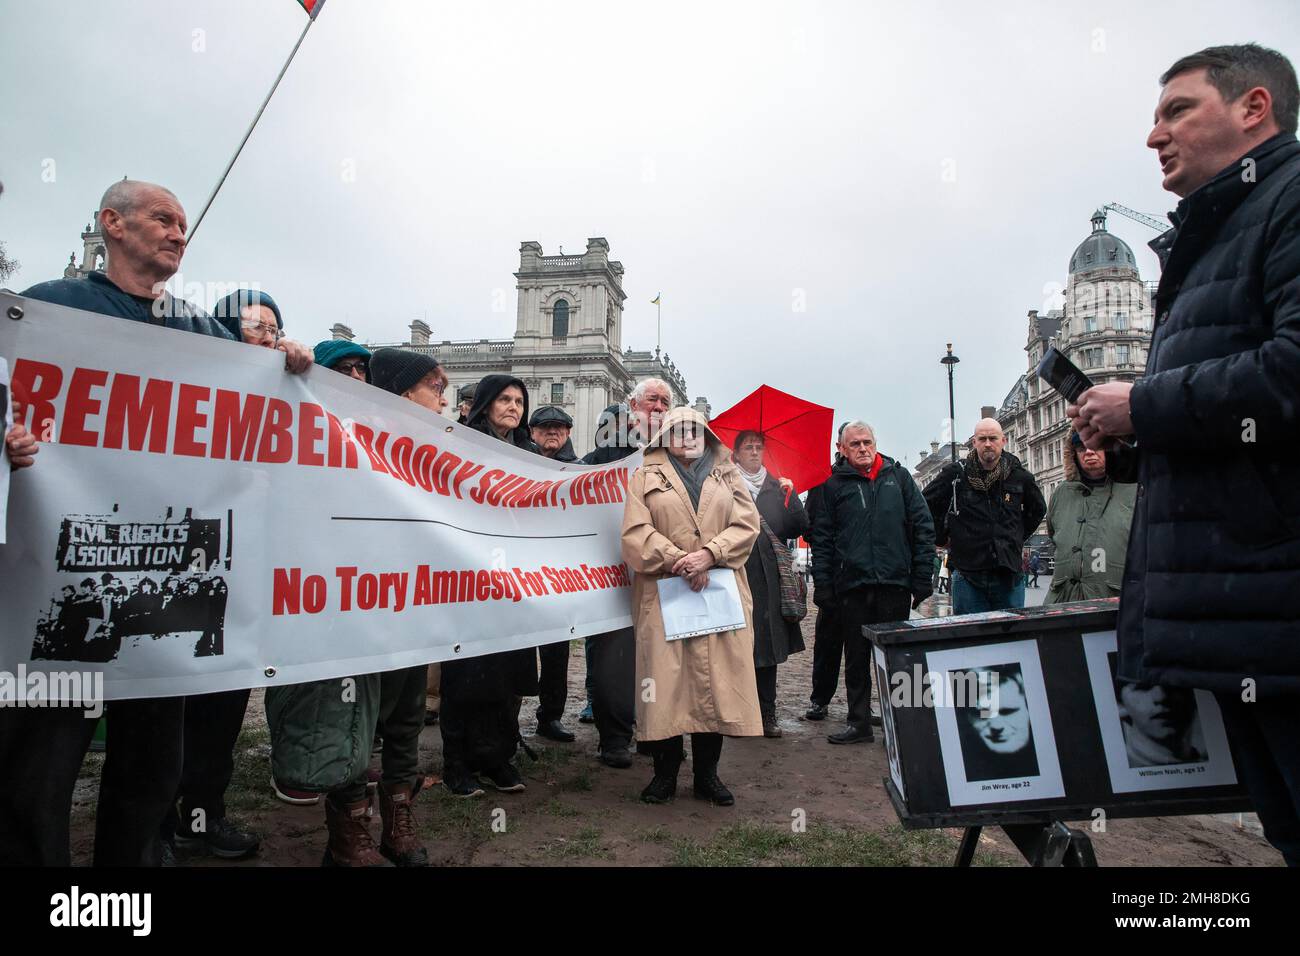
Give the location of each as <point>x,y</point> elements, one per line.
<point>93,253</point>
<point>1104,327</point>
<point>567,345</point>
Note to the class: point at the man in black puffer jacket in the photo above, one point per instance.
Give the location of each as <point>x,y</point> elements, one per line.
<point>873,558</point>
<point>1213,563</point>
<point>984,510</point>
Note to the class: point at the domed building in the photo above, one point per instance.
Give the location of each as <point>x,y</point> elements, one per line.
<point>1104,328</point>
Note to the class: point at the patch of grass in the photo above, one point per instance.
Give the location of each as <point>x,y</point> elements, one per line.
<point>658,835</point>
<point>440,814</point>
<point>558,808</point>
<point>751,844</point>
<point>250,786</point>
<point>550,760</point>
<point>578,783</point>
<point>585,844</point>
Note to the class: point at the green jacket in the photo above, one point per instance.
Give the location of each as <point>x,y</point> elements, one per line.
<point>322,732</point>
<point>1089,527</point>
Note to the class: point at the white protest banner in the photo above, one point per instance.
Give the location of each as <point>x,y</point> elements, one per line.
<point>200,520</point>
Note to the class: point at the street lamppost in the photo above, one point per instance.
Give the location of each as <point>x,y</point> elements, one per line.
<point>950,360</point>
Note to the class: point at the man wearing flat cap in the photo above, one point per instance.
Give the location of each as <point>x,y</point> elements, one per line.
<point>465,403</point>
<point>550,427</point>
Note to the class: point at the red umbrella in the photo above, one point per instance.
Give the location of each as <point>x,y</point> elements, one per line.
<point>798,433</point>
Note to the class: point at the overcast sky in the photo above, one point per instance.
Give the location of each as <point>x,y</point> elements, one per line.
<point>825,193</point>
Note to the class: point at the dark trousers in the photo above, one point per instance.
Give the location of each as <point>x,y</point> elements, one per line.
<point>828,646</point>
<point>706,751</point>
<point>212,725</point>
<point>553,684</point>
<point>402,695</point>
<point>869,605</point>
<point>41,751</point>
<point>1266,750</point>
<point>477,735</point>
<point>140,780</point>
<point>612,664</point>
<point>766,691</point>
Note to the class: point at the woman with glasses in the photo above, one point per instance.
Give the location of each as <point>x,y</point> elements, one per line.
<point>251,316</point>
<point>213,721</point>
<point>689,513</point>
<point>344,357</point>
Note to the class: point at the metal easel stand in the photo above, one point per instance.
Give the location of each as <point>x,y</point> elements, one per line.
<point>1050,844</point>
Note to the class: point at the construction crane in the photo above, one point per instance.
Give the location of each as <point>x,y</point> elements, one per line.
<point>1159,225</point>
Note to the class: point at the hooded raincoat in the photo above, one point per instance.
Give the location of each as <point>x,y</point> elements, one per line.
<point>1089,525</point>
<point>702,684</point>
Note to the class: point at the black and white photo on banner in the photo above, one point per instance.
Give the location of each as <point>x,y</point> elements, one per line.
<point>1155,738</point>
<point>995,729</point>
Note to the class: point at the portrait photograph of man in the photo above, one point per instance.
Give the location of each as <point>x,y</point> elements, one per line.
<point>995,726</point>
<point>997,736</point>
<point>1154,737</point>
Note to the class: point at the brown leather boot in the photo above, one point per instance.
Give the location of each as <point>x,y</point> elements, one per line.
<point>349,837</point>
<point>400,843</point>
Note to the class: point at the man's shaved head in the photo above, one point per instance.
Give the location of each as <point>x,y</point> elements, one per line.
<point>127,195</point>
<point>143,225</point>
<point>988,442</point>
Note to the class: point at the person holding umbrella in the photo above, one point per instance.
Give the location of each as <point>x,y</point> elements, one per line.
<point>781,517</point>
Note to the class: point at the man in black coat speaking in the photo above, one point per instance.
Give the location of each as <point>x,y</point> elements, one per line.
<point>1213,561</point>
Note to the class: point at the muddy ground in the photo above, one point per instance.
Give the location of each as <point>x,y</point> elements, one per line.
<point>577,812</point>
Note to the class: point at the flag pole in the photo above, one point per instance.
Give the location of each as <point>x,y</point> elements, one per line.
<point>249,132</point>
<point>659,324</point>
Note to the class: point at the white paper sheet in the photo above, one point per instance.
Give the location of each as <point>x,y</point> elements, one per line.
<point>690,613</point>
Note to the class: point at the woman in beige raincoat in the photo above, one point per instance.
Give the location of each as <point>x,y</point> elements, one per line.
<point>688,511</point>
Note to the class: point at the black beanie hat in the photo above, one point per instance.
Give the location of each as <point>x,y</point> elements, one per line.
<point>396,370</point>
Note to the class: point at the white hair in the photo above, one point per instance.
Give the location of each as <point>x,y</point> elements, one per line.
<point>645,385</point>
<point>856,424</point>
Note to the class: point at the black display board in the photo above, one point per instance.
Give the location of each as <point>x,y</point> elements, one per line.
<point>1057,739</point>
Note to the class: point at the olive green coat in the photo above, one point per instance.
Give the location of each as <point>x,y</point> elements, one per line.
<point>1089,527</point>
